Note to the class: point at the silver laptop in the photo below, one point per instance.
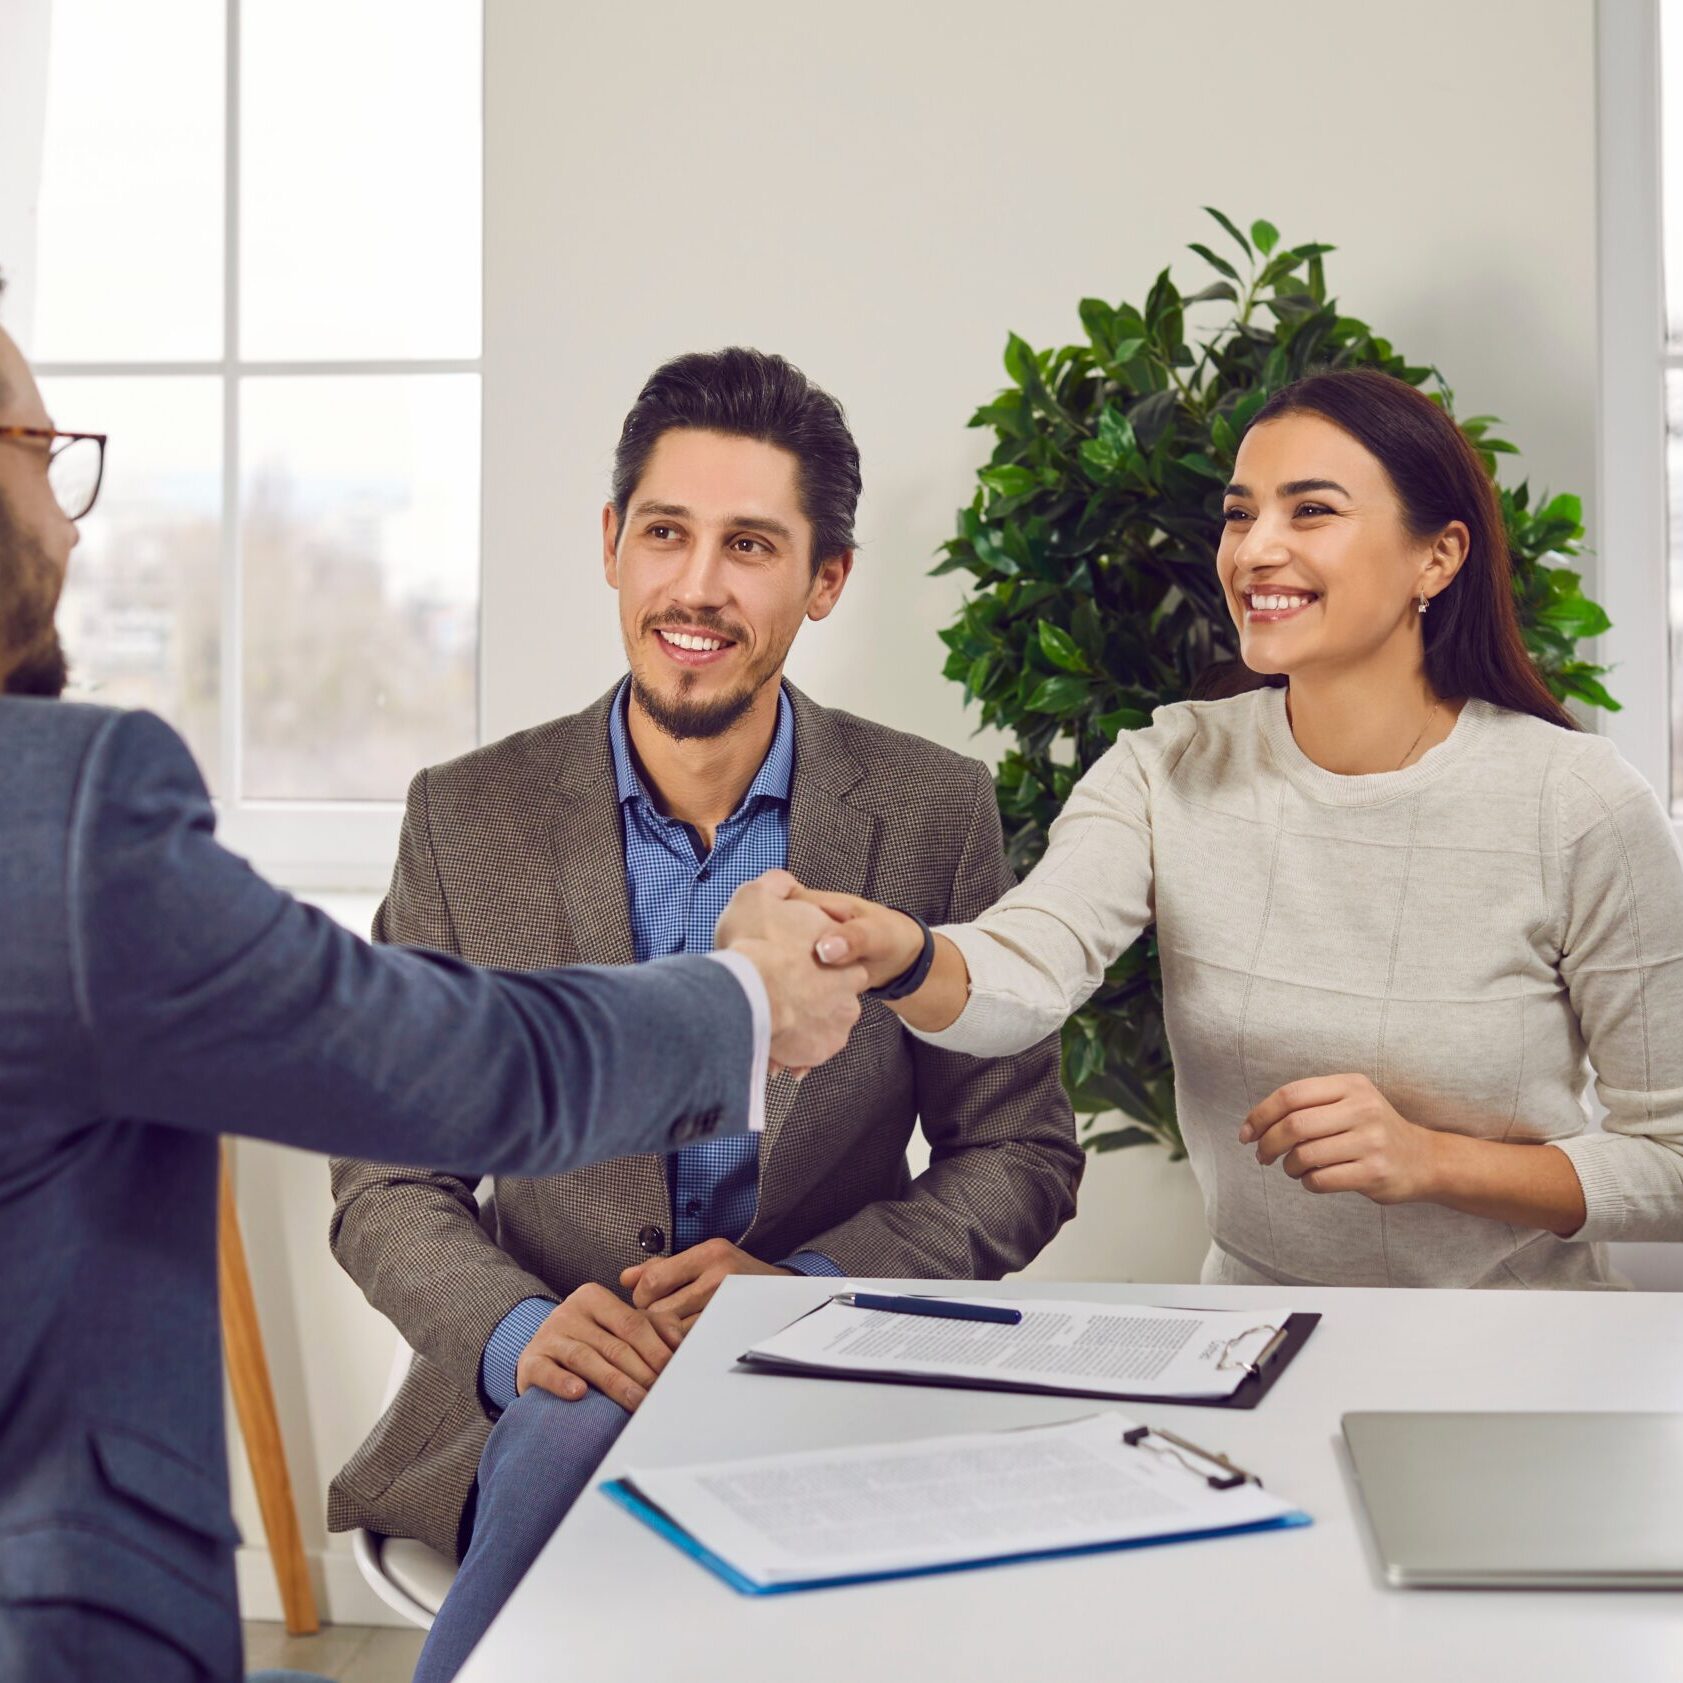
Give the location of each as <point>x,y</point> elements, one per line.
<point>1585,1501</point>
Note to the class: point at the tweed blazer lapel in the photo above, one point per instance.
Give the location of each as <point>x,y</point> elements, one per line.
<point>589,850</point>
<point>588,843</point>
<point>830,847</point>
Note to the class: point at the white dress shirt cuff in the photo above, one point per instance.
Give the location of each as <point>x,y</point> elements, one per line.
<point>759,1002</point>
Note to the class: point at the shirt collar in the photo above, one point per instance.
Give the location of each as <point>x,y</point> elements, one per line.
<point>772,781</point>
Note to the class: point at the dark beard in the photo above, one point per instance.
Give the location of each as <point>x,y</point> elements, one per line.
<point>44,673</point>
<point>683,719</point>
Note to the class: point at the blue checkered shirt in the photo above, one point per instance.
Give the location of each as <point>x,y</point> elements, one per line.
<point>676,894</point>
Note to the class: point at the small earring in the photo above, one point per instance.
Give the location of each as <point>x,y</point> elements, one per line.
<point>1423,602</point>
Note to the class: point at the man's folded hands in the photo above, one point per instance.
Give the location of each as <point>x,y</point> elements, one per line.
<point>595,1339</point>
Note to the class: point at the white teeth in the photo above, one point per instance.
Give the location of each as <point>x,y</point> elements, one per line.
<point>684,640</point>
<point>1277,604</point>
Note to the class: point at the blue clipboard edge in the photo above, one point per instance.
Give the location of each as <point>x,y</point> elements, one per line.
<point>629,1497</point>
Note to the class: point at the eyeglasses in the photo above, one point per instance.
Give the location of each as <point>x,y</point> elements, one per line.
<point>75,465</point>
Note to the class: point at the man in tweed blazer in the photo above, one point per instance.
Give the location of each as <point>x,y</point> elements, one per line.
<point>567,844</point>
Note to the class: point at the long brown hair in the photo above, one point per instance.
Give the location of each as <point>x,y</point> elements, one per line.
<point>1472,635</point>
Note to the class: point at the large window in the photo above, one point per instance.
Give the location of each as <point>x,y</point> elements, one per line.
<point>258,269</point>
<point>1638,522</point>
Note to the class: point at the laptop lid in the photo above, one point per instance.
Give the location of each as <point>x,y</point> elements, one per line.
<point>1523,1500</point>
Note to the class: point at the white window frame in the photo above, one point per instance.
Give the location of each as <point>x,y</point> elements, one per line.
<point>346,845</point>
<point>1633,556</point>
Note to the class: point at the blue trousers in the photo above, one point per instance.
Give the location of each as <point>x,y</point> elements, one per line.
<point>536,1463</point>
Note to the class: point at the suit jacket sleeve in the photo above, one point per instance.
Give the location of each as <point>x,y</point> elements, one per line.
<point>1004,1160</point>
<point>215,1002</point>
<point>412,1238</point>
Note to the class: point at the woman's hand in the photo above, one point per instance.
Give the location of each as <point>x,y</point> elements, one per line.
<point>1339,1133</point>
<point>885,941</point>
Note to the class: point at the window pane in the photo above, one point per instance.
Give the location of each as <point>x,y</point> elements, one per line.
<point>360,579</point>
<point>129,263</point>
<point>141,614</point>
<point>360,162</point>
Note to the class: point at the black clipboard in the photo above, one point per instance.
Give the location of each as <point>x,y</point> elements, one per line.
<point>1276,1357</point>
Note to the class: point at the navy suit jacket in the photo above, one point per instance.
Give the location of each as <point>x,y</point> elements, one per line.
<point>154,993</point>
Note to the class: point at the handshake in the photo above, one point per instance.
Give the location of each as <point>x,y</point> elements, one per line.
<point>816,954</point>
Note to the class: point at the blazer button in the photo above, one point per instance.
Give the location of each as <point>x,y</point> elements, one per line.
<point>652,1240</point>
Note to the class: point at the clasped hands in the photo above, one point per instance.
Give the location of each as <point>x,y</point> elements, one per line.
<point>597,1340</point>
<point>816,953</point>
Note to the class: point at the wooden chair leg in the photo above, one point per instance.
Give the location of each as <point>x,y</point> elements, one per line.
<point>254,1402</point>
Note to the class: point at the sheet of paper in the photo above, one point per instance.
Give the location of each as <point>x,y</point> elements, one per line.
<point>939,1501</point>
<point>1115,1349</point>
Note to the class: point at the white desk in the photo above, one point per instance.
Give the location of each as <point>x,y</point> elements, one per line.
<point>610,1600</point>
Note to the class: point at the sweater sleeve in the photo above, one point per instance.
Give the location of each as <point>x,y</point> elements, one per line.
<point>1621,890</point>
<point>1039,953</point>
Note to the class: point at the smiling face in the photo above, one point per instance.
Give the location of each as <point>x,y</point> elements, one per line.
<point>1317,562</point>
<point>713,565</point>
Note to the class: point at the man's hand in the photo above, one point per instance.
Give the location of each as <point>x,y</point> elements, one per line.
<point>1339,1133</point>
<point>813,1006</point>
<point>596,1339</point>
<point>683,1285</point>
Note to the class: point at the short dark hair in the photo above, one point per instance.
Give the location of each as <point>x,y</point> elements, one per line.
<point>750,394</point>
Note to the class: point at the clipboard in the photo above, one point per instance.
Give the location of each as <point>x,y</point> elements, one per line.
<point>1219,1472</point>
<point>1265,1370</point>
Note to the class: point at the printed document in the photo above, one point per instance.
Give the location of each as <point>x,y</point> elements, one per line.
<point>1090,1349</point>
<point>892,1508</point>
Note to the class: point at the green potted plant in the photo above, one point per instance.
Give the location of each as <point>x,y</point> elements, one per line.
<point>1090,545</point>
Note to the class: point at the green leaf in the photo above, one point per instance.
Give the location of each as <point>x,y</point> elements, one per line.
<point>1586,687</point>
<point>1266,235</point>
<point>1100,459</point>
<point>1099,319</point>
<point>1219,289</point>
<point>1116,431</point>
<point>1223,436</point>
<point>1228,225</point>
<point>1124,718</point>
<point>1116,1138</point>
<point>1058,696</point>
<point>1563,507</point>
<point>1008,479</point>
<point>1198,462</point>
<point>1126,350</point>
<point>1577,618</point>
<point>1060,648</point>
<point>1019,362</point>
<point>1219,264</point>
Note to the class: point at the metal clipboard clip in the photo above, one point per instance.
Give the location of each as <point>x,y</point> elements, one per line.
<point>1172,1444</point>
<point>1263,1356</point>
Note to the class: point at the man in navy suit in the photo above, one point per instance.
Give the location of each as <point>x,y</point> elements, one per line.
<point>154,992</point>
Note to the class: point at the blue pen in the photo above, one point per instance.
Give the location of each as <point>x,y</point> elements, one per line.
<point>944,1308</point>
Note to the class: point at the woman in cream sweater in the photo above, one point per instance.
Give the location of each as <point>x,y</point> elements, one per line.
<point>1397,895</point>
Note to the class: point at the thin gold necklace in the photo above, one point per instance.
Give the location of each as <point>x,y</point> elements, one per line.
<point>1416,742</point>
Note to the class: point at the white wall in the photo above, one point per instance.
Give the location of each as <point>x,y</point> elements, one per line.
<point>25,31</point>
<point>879,192</point>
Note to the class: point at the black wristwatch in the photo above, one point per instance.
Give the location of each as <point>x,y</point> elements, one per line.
<point>912,978</point>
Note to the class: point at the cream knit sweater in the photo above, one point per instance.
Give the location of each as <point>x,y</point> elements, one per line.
<point>1462,932</point>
